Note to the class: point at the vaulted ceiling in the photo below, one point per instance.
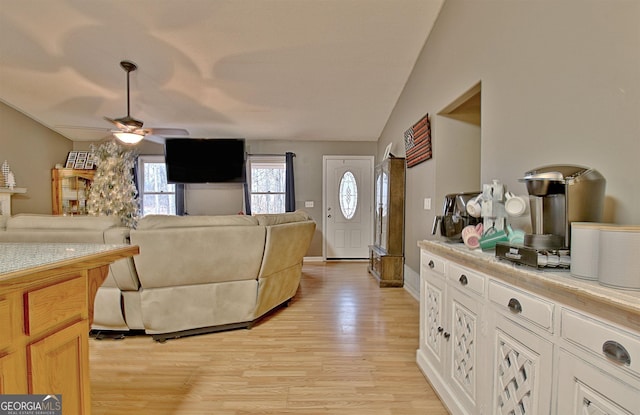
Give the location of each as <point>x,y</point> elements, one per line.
<point>258,69</point>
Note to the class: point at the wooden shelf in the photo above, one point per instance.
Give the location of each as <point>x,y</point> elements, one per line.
<point>70,191</point>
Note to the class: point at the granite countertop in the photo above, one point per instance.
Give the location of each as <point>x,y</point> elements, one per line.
<point>21,256</point>
<point>619,305</point>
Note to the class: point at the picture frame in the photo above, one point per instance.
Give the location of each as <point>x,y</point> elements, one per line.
<point>81,160</point>
<point>71,160</point>
<point>90,164</point>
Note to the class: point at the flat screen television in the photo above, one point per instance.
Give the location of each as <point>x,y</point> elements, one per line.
<point>205,160</point>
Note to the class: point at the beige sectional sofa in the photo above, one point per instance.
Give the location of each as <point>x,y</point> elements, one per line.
<point>204,273</point>
<point>194,274</point>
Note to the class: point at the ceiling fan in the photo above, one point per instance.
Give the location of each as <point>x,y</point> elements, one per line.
<point>130,130</point>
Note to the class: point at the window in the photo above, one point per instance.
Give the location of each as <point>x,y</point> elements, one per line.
<point>266,179</point>
<point>156,195</point>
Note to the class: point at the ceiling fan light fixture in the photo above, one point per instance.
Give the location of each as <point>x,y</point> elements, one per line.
<point>128,138</point>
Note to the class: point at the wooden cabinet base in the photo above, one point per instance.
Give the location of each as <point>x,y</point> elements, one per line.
<point>387,269</point>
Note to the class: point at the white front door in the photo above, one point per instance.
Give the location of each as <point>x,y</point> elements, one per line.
<point>348,197</point>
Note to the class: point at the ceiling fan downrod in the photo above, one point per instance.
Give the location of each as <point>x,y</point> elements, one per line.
<point>129,67</point>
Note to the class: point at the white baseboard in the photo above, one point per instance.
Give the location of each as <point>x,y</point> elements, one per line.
<point>313,259</point>
<point>412,282</point>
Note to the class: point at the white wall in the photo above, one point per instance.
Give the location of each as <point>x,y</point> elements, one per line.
<point>560,85</point>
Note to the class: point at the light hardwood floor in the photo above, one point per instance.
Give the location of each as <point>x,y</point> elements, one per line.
<point>344,346</point>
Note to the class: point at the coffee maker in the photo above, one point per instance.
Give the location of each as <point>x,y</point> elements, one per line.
<point>558,196</point>
<point>455,216</point>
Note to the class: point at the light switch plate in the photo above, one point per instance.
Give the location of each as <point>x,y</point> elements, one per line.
<point>308,203</point>
<point>427,203</point>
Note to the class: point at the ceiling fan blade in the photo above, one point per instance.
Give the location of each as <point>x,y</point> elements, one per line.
<point>154,138</point>
<point>167,131</point>
<point>79,127</point>
<point>83,133</point>
<point>117,123</point>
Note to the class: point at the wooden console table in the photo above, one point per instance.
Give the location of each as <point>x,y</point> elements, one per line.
<point>46,306</point>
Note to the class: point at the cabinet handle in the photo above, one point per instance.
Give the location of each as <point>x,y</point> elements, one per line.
<point>440,329</point>
<point>515,306</point>
<point>432,265</point>
<point>616,352</point>
<point>463,280</point>
<point>446,335</point>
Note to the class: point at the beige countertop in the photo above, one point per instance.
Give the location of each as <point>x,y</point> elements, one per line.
<point>20,262</point>
<point>618,305</point>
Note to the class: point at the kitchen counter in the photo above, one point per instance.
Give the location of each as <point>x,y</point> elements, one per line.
<point>617,305</point>
<point>16,258</point>
<point>46,306</point>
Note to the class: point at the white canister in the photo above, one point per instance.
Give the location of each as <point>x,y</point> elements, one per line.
<point>619,259</point>
<point>585,246</point>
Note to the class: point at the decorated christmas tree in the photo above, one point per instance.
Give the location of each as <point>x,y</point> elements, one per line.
<point>113,192</point>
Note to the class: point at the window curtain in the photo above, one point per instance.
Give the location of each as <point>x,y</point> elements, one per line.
<point>135,171</point>
<point>247,199</point>
<point>180,199</point>
<point>290,190</point>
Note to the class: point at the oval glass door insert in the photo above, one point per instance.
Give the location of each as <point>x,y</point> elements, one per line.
<point>348,195</point>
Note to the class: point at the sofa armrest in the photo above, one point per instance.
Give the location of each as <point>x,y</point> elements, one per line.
<point>123,270</point>
<point>286,246</point>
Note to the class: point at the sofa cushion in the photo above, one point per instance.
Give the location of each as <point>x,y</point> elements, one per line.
<point>280,218</point>
<point>171,221</point>
<point>198,255</point>
<point>28,221</point>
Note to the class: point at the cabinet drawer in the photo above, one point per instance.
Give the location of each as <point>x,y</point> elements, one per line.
<point>522,305</point>
<point>465,279</point>
<point>432,263</point>
<point>49,306</point>
<point>617,346</point>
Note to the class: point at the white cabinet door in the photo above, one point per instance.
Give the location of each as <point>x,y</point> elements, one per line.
<point>522,370</point>
<point>584,389</point>
<point>463,364</point>
<point>433,320</point>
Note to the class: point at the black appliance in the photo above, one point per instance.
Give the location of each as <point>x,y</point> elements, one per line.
<point>454,216</point>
